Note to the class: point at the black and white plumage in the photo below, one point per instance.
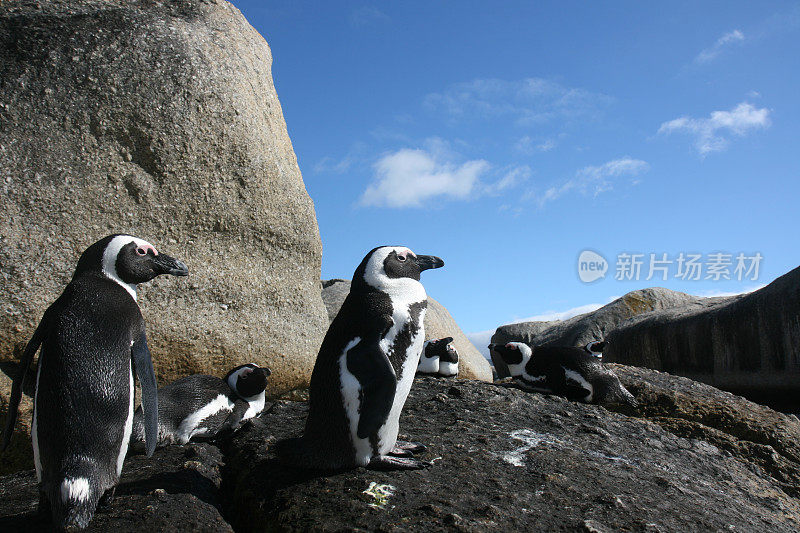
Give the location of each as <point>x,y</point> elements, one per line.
<point>203,407</point>
<point>365,368</point>
<point>565,371</point>
<point>93,340</point>
<point>439,357</point>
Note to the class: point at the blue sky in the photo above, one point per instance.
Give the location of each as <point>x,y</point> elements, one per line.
<point>508,137</point>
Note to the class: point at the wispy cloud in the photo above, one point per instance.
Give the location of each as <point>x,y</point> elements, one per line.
<point>528,101</point>
<point>366,15</point>
<point>716,292</point>
<point>332,165</point>
<point>726,41</point>
<point>527,145</point>
<point>711,134</point>
<point>550,316</point>
<point>510,178</point>
<point>409,178</point>
<point>595,180</point>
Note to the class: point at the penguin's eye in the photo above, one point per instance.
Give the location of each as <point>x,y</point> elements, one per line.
<point>401,257</point>
<point>141,251</point>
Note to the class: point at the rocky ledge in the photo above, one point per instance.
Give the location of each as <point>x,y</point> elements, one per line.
<point>691,458</point>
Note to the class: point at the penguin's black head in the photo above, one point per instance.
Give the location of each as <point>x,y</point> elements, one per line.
<point>248,380</point>
<point>513,354</point>
<point>385,265</point>
<point>596,347</point>
<point>438,347</point>
<point>128,260</point>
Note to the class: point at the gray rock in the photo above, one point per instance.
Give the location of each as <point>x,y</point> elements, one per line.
<point>581,329</point>
<point>438,323</point>
<point>158,119</point>
<point>749,344</point>
<point>573,466</point>
<point>178,489</point>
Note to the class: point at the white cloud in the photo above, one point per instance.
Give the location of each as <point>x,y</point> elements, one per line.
<point>366,15</point>
<point>709,132</point>
<point>714,292</point>
<point>408,178</point>
<point>481,339</point>
<point>528,145</point>
<point>332,165</point>
<point>329,164</point>
<point>550,316</point>
<point>511,177</point>
<point>527,101</point>
<point>710,53</point>
<point>595,180</point>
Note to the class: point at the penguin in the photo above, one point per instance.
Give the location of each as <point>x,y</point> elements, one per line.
<point>365,369</point>
<point>595,348</point>
<point>564,371</point>
<point>202,407</point>
<point>439,357</point>
<point>92,341</point>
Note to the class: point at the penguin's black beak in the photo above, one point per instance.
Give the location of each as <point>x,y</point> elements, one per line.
<point>426,262</point>
<point>169,265</point>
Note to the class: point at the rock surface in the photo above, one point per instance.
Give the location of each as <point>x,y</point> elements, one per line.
<point>158,119</point>
<point>506,460</point>
<point>175,490</point>
<point>749,344</point>
<point>438,323</point>
<point>692,458</point>
<point>581,329</point>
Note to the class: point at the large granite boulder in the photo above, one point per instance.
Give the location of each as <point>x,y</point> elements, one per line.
<point>506,460</point>
<point>749,344</point>
<point>158,119</point>
<point>438,323</point>
<point>581,329</point>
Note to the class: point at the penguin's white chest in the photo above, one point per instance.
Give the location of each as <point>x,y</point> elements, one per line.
<point>351,388</point>
<point>387,434</point>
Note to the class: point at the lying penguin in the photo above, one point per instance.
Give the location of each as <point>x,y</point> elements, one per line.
<point>202,407</point>
<point>439,357</point>
<point>595,348</point>
<point>565,371</point>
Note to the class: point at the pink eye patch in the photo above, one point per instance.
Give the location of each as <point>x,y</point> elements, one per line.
<point>144,248</point>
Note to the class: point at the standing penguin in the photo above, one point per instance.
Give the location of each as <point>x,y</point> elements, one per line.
<point>567,371</point>
<point>201,407</point>
<point>365,368</point>
<point>92,339</point>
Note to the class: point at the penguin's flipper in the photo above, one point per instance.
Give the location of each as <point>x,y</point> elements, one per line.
<point>234,420</point>
<point>370,366</point>
<point>19,381</point>
<point>143,364</point>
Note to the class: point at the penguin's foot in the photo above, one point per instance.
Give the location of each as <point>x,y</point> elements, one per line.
<point>387,462</point>
<point>106,498</point>
<point>404,448</point>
